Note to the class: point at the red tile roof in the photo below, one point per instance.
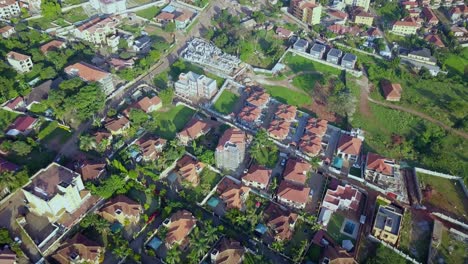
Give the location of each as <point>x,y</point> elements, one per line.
<point>392,91</point>
<point>283,32</point>
<point>92,170</point>
<point>115,124</point>
<point>145,103</point>
<point>125,205</point>
<point>14,103</point>
<point>296,171</point>
<point>435,39</point>
<point>7,256</point>
<point>165,16</point>
<point>347,192</point>
<point>377,163</point>
<point>281,221</point>
<point>338,14</point>
<point>258,174</point>
<point>52,45</point>
<point>429,15</point>
<point>349,145</point>
<point>258,98</point>
<point>279,129</point>
<point>287,112</point>
<point>17,56</point>
<point>233,136</point>
<point>187,168</point>
<point>86,249</point>
<point>23,123</point>
<point>293,192</point>
<point>249,114</point>
<point>5,29</point>
<point>86,72</point>
<point>195,128</point>
<point>182,222</point>
<point>231,193</point>
<point>409,22</point>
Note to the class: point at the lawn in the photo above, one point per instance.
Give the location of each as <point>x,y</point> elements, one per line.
<point>405,232</point>
<point>208,179</point>
<point>6,118</point>
<point>288,96</point>
<point>447,195</point>
<point>307,82</point>
<point>226,102</point>
<point>148,13</point>
<point>39,23</point>
<point>302,232</point>
<point>75,15</point>
<point>452,249</point>
<point>298,64</point>
<point>334,227</point>
<point>53,132</point>
<point>457,63</point>
<point>168,123</point>
<point>314,253</point>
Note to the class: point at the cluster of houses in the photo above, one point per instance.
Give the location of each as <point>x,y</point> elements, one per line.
<point>181,17</point>
<point>334,56</point>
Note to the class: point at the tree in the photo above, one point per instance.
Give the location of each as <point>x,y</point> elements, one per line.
<point>109,186</point>
<point>5,238</point>
<point>343,104</point>
<point>87,143</point>
<point>278,245</point>
<point>207,157</point>
<point>10,180</point>
<point>138,117</point>
<point>263,150</point>
<point>97,222</point>
<point>166,96</point>
<point>211,233</point>
<point>21,148</point>
<point>50,9</point>
<point>48,73</point>
<point>173,256</point>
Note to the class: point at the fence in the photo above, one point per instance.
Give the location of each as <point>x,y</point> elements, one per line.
<point>451,220</point>
<point>407,257</point>
<point>443,175</point>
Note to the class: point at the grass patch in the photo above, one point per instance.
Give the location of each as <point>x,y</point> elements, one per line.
<point>144,198</point>
<point>53,131</point>
<point>302,232</point>
<point>405,232</point>
<point>76,14</point>
<point>457,63</point>
<point>208,179</point>
<point>6,118</point>
<point>447,195</point>
<point>288,96</point>
<point>306,82</point>
<point>452,249</point>
<point>334,227</point>
<point>38,108</point>
<point>148,13</point>
<point>226,102</point>
<point>298,63</point>
<point>40,23</point>
<point>173,120</point>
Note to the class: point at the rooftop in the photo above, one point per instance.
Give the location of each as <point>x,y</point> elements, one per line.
<point>292,192</point>
<point>349,145</point>
<point>86,72</point>
<point>258,174</point>
<point>78,247</point>
<point>296,171</point>
<point>231,137</point>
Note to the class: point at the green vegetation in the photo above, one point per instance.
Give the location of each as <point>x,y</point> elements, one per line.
<point>226,102</point>
<point>168,123</point>
<point>384,255</point>
<point>334,227</point>
<point>300,64</point>
<point>288,96</point>
<point>208,179</point>
<point>457,62</point>
<point>76,14</point>
<point>390,11</point>
<point>11,181</point>
<point>452,249</point>
<point>307,82</point>
<point>6,118</point>
<point>54,133</point>
<point>263,150</point>
<point>149,13</point>
<point>446,195</point>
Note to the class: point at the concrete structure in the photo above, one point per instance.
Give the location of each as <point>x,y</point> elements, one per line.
<point>79,249</point>
<point>385,174</point>
<point>343,198</point>
<point>334,56</point>
<point>89,73</point>
<point>179,226</point>
<point>358,3</point>
<point>21,63</point>
<point>228,251</point>
<point>408,27</point>
<point>307,11</point>
<point>423,56</point>
<point>317,51</point>
<point>387,224</point>
<point>301,45</point>
<point>349,61</point>
<point>9,8</point>
<point>195,86</point>
<point>121,209</point>
<point>99,31</point>
<point>7,31</point>
<point>54,191</point>
<point>109,6</point>
<point>230,152</point>
<point>257,177</point>
<point>362,17</point>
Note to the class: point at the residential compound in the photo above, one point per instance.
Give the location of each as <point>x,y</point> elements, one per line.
<point>99,31</point>
<point>230,152</point>
<point>195,86</point>
<point>385,174</point>
<point>9,8</point>
<point>20,62</point>
<point>89,73</point>
<point>344,198</point>
<point>307,11</point>
<point>387,223</point>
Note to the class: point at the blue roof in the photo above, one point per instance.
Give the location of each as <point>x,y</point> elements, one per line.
<point>261,228</point>
<point>213,202</point>
<point>154,243</point>
<point>337,162</point>
<point>168,9</point>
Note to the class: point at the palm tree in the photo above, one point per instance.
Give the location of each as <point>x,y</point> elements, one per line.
<point>211,234</point>
<point>87,143</point>
<point>173,256</point>
<point>278,246</point>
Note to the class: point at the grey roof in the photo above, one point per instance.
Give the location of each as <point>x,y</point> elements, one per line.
<point>424,52</point>
<point>389,216</point>
<point>318,48</point>
<point>349,57</point>
<point>335,53</point>
<point>142,41</point>
<point>41,92</point>
<point>301,43</point>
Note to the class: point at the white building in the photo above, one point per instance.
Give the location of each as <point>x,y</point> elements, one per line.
<point>54,191</point>
<point>230,151</point>
<point>193,85</point>
<point>20,62</point>
<point>9,8</point>
<point>98,31</point>
<point>109,6</point>
<point>361,3</point>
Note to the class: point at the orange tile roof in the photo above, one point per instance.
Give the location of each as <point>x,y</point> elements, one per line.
<point>17,56</point>
<point>293,192</point>
<point>195,128</point>
<point>279,129</point>
<point>165,16</point>
<point>5,29</point>
<point>349,145</point>
<point>392,91</point>
<point>86,72</point>
<point>258,174</point>
<point>296,171</point>
<point>377,163</point>
<point>258,98</point>
<point>125,205</point>
<point>145,103</point>
<point>409,22</point>
<point>432,38</point>
<point>186,15</point>
<point>233,136</point>
<point>187,168</point>
<point>285,111</point>
<point>148,145</point>
<point>231,193</point>
<point>182,223</point>
<point>101,135</point>
<point>86,249</point>
<point>249,114</point>
<point>310,144</point>
<point>317,127</point>
<point>51,45</point>
<point>338,14</point>
<point>230,251</point>
<point>280,221</point>
<point>429,15</point>
<point>91,170</point>
<point>115,124</point>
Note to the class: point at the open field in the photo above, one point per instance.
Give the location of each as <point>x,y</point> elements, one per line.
<point>306,82</point>
<point>288,96</point>
<point>168,123</point>
<point>75,15</point>
<point>226,102</point>
<point>148,13</point>
<point>299,64</point>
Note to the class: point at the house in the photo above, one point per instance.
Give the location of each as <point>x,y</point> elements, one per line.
<point>258,98</point>
<point>405,27</point>
<point>91,171</point>
<point>179,227</point>
<point>9,8</point>
<point>55,190</point>
<point>79,249</point>
<point>409,4</point>
<point>434,39</point>
<point>109,6</point>
<point>387,224</point>
<point>343,198</point>
<point>150,147</point>
<point>279,129</point>
<point>15,103</point>
<point>230,152</point>
<point>349,61</point>
<point>147,104</point>
<point>391,91</point>
<point>120,64</point>
<point>233,193</point>
<point>257,177</point>
<point>460,33</point>
<point>286,112</point>
<point>362,17</point>
<point>249,23</point>
<point>301,45</point>
<point>429,16</point>
<point>423,56</point>
<point>98,31</point>
<point>7,256</point>
<point>307,11</point>
<point>41,92</point>
<point>228,251</point>
<point>339,17</point>
<point>52,46</point>
<point>117,125</point>
<point>284,33</point>
<point>23,125</point>
<point>293,195</point>
<point>89,73</point>
<point>349,148</point>
<point>102,136</point>
<point>334,56</point>
<point>142,45</point>
<point>385,174</point>
<point>280,221</point>
<point>458,12</point>
<point>195,86</point>
<point>194,129</point>
<point>7,31</point>
<point>188,170</point>
<point>250,116</point>
<point>317,51</point>
<point>358,3</point>
<point>330,251</point>
<point>296,171</point>
<point>311,142</point>
<point>121,209</point>
<point>184,19</point>
<point>373,33</point>
<point>164,18</point>
<point>20,62</point>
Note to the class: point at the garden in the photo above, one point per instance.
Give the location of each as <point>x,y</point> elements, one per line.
<point>226,102</point>
<point>148,13</point>
<point>168,123</point>
<point>288,96</point>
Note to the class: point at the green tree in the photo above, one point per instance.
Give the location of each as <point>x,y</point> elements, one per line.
<point>11,180</point>
<point>173,256</point>
<point>5,238</point>
<point>263,150</point>
<point>87,143</point>
<point>278,246</point>
<point>48,73</point>
<point>166,96</point>
<point>50,9</point>
<point>21,148</point>
<point>138,117</point>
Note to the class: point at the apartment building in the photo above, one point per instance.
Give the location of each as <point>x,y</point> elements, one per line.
<point>362,17</point>
<point>9,8</point>
<point>89,73</point>
<point>358,3</point>
<point>109,6</point>
<point>20,62</point>
<point>230,151</point>
<point>307,11</point>
<point>7,31</point>
<point>406,27</point>
<point>228,251</point>
<point>192,85</point>
<point>98,31</point>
